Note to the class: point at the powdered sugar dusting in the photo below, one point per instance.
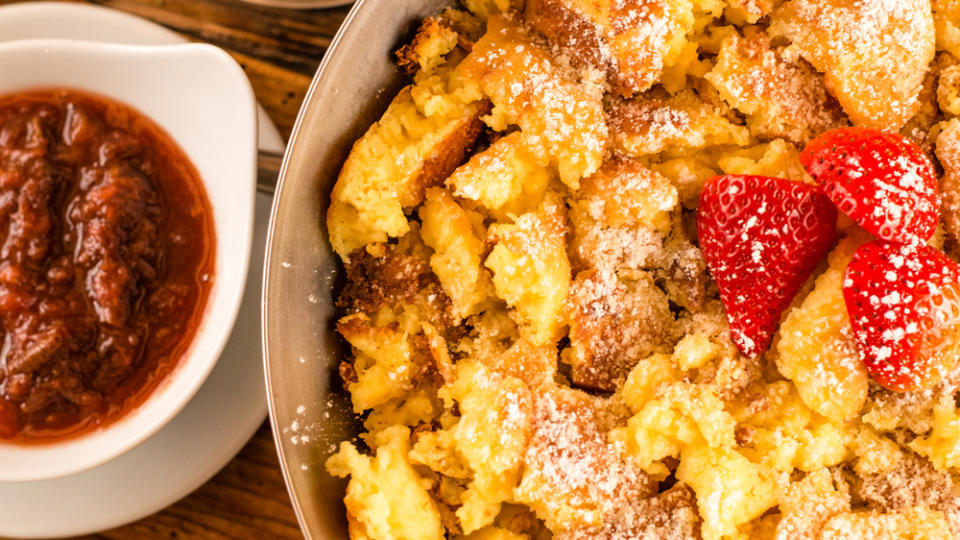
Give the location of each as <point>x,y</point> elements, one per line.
<point>874,52</point>
<point>625,38</point>
<point>782,96</point>
<point>568,460</point>
<point>918,312</point>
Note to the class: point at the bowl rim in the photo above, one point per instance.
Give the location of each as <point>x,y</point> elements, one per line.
<point>292,141</point>
<point>351,88</point>
<point>295,135</point>
<point>60,458</point>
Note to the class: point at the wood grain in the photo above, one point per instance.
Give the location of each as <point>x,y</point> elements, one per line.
<point>279,50</point>
<point>247,499</point>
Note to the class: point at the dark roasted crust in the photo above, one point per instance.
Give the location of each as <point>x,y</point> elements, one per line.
<point>386,281</point>
<point>948,152</point>
<point>448,155</point>
<point>671,515</point>
<point>570,31</point>
<point>613,326</point>
<point>912,482</point>
<point>632,64</point>
<point>410,56</point>
<point>394,280</point>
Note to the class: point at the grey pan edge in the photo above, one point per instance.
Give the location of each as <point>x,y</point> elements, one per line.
<point>352,87</point>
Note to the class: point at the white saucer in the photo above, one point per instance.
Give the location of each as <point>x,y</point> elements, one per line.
<point>226,411</point>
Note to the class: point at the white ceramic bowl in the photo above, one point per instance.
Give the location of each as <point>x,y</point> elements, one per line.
<point>202,98</point>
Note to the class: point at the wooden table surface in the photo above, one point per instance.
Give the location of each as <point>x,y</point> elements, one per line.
<point>279,50</point>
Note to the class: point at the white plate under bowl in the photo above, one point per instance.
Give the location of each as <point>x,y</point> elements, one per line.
<point>224,413</point>
<point>214,122</point>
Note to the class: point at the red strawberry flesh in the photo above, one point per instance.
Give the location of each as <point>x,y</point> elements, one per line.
<point>881,179</point>
<point>762,238</point>
<point>904,306</point>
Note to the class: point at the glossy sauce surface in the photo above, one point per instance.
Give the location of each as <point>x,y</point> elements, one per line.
<point>107,252</point>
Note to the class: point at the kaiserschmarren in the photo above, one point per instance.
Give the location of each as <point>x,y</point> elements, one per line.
<point>539,349</point>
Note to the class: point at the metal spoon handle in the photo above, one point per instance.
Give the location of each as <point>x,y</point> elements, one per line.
<point>268,170</point>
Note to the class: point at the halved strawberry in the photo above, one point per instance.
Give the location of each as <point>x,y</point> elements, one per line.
<point>761,238</point>
<point>904,305</point>
<point>880,179</point>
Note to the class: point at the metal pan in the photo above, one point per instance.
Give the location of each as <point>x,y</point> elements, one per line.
<point>309,410</point>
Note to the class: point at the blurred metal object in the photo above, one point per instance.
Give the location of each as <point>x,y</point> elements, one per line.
<point>353,86</point>
<point>300,4</point>
<point>268,171</point>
